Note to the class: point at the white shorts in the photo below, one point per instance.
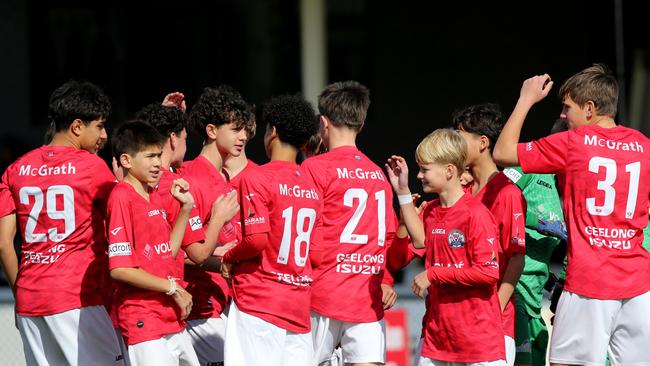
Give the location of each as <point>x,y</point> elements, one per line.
<point>361,342</point>
<point>82,336</point>
<point>511,350</point>
<point>585,329</point>
<point>170,350</point>
<point>208,339</point>
<point>251,341</point>
<point>425,361</point>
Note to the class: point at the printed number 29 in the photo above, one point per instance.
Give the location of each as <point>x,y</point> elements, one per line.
<point>302,235</point>
<point>606,186</point>
<point>66,214</point>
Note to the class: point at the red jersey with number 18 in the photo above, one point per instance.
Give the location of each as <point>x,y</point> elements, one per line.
<point>279,199</point>
<point>357,225</point>
<point>60,194</point>
<point>604,177</point>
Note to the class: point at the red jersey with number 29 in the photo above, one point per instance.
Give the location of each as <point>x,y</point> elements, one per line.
<point>279,199</point>
<point>357,218</point>
<point>604,177</point>
<point>60,194</point>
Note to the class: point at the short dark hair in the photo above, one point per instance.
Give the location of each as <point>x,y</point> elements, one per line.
<point>345,104</point>
<point>135,136</point>
<point>480,119</point>
<point>165,119</point>
<point>219,106</point>
<point>293,118</point>
<point>595,83</point>
<point>77,100</point>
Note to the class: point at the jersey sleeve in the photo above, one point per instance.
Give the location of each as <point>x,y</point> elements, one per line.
<point>546,155</point>
<point>313,167</point>
<point>194,231</point>
<point>512,220</point>
<point>482,243</point>
<point>121,252</point>
<point>253,198</point>
<point>7,205</point>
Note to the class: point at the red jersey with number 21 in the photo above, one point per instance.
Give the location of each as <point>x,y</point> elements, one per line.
<point>604,177</point>
<point>279,199</point>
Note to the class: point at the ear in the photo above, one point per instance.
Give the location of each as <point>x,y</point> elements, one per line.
<point>211,131</point>
<point>324,122</point>
<point>484,142</point>
<point>450,171</point>
<point>125,161</point>
<point>590,109</point>
<point>77,126</point>
<point>172,140</point>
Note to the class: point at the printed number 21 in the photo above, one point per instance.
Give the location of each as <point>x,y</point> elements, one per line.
<point>606,186</point>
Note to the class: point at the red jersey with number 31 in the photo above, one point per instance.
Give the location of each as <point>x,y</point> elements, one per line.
<point>604,177</point>
<point>279,199</point>
<point>357,217</point>
<point>60,194</point>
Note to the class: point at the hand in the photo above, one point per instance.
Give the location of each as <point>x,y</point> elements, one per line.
<point>117,170</point>
<point>420,284</point>
<point>175,99</point>
<point>184,301</point>
<point>536,88</point>
<point>423,204</point>
<point>226,270</point>
<point>398,174</point>
<point>180,190</point>
<point>225,207</point>
<point>388,296</point>
<point>221,250</point>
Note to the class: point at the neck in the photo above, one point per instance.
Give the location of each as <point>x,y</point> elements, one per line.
<point>212,153</point>
<point>141,188</point>
<point>451,194</point>
<point>235,164</point>
<point>284,152</point>
<point>604,121</point>
<point>482,172</point>
<point>64,139</point>
<point>165,158</point>
<point>341,137</point>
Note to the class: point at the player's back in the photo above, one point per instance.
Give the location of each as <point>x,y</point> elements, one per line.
<point>604,177</point>
<point>357,216</point>
<point>60,193</point>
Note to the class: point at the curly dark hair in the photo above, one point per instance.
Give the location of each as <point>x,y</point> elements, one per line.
<point>134,136</point>
<point>480,119</point>
<point>293,118</point>
<point>219,106</point>
<point>165,119</point>
<point>77,100</point>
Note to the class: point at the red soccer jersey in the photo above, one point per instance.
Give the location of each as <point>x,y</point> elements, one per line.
<point>210,291</point>
<point>234,182</point>
<point>60,195</point>
<point>604,177</point>
<point>463,323</point>
<point>138,237</point>
<point>279,199</point>
<point>6,201</point>
<point>194,230</point>
<point>357,217</point>
<point>508,207</point>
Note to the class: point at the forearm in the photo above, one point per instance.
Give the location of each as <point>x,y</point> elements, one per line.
<point>200,252</point>
<point>178,231</point>
<point>510,278</point>
<point>452,276</point>
<point>250,247</point>
<point>505,150</point>
<point>140,278</point>
<point>413,224</point>
<point>8,255</point>
<point>210,264</point>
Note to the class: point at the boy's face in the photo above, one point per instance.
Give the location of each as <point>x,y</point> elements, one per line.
<point>145,164</point>
<point>433,177</point>
<point>92,136</point>
<point>475,146</point>
<point>180,147</point>
<point>231,140</point>
<point>573,114</point>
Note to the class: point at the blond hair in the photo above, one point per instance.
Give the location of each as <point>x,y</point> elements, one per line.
<point>443,146</point>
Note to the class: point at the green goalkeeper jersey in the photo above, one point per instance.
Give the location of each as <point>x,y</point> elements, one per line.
<point>545,228</point>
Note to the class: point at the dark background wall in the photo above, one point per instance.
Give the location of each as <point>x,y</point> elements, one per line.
<point>421,59</point>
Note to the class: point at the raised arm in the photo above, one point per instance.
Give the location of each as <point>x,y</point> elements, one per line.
<point>398,176</point>
<point>532,91</point>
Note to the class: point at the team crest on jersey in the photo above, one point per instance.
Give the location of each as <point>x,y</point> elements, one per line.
<point>456,239</point>
<point>147,251</point>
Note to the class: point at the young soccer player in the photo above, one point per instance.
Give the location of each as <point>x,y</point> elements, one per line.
<point>357,226</point>
<point>223,119</point>
<point>151,302</point>
<point>268,322</point>
<point>603,171</point>
<point>60,192</point>
<point>480,126</point>
<point>463,317</point>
